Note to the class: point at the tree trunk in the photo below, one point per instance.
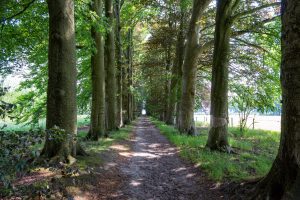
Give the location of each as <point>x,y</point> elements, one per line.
<point>167,111</point>
<point>129,77</point>
<point>119,65</point>
<point>283,180</point>
<point>217,138</point>
<point>176,73</point>
<point>61,92</point>
<point>110,68</point>
<point>186,116</point>
<point>98,80</point>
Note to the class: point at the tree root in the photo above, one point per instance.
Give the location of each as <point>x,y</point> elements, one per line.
<point>224,149</point>
<point>80,151</point>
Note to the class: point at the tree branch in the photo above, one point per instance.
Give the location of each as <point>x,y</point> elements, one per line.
<point>252,29</point>
<point>27,5</point>
<point>205,46</point>
<point>248,12</point>
<point>251,44</point>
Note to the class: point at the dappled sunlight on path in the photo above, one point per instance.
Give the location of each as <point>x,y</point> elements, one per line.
<point>154,170</point>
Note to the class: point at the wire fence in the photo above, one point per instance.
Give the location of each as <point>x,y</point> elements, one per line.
<point>264,122</point>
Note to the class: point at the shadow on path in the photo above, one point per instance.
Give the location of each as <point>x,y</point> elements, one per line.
<point>155,171</point>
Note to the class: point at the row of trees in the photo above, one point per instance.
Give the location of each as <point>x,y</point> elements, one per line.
<point>100,48</point>
<point>176,56</point>
<point>245,36</point>
<point>182,48</point>
<point>108,75</point>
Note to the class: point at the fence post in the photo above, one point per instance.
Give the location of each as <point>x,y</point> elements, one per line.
<point>231,121</point>
<point>253,123</point>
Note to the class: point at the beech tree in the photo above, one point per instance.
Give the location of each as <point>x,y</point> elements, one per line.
<point>186,115</point>
<point>98,76</point>
<point>175,83</point>
<point>283,180</point>
<point>120,69</point>
<point>61,93</point>
<point>225,18</point>
<point>110,69</point>
<point>219,98</point>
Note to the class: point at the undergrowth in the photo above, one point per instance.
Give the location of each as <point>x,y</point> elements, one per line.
<point>19,147</point>
<point>256,150</point>
<point>94,148</point>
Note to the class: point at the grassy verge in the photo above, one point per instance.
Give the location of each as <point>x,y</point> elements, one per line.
<point>94,148</point>
<point>256,151</point>
<point>8,125</point>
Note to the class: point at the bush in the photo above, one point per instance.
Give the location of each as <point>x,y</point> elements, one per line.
<point>17,153</point>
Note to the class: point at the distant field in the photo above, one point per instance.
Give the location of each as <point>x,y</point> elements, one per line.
<point>12,126</point>
<point>263,122</point>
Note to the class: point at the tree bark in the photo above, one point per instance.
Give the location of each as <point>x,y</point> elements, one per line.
<point>176,73</point>
<point>126,79</point>
<point>217,138</point>
<point>283,180</point>
<point>186,116</point>
<point>129,99</point>
<point>167,111</point>
<point>119,65</point>
<point>110,69</point>
<point>98,79</point>
<point>61,92</point>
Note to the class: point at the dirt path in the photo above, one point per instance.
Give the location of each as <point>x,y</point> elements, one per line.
<point>146,166</point>
<point>155,171</point>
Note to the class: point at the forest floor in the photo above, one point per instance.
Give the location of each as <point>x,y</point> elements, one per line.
<point>142,166</point>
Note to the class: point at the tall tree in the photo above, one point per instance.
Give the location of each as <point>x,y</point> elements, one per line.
<point>225,18</point>
<point>176,71</point>
<point>110,68</point>
<point>127,78</point>
<point>219,90</point>
<point>120,69</point>
<point>61,93</point>
<point>186,116</point>
<point>98,77</point>
<point>283,180</point>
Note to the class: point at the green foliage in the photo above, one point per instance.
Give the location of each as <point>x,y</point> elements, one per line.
<point>256,151</point>
<point>57,134</point>
<point>247,98</point>
<point>6,109</point>
<point>18,150</point>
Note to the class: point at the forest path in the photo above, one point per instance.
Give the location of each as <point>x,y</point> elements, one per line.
<point>155,171</point>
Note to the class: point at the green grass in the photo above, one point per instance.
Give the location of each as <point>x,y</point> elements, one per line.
<point>256,151</point>
<point>95,148</point>
<point>82,120</point>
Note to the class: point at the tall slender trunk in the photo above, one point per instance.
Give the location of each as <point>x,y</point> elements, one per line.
<point>167,84</point>
<point>61,92</point>
<point>283,180</point>
<point>110,68</point>
<point>98,79</point>
<point>217,138</point>
<point>119,65</point>
<point>129,77</point>
<point>176,74</point>
<point>186,115</point>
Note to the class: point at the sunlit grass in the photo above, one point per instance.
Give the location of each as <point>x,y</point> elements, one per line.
<point>256,151</point>
<point>8,125</point>
<point>95,148</point>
